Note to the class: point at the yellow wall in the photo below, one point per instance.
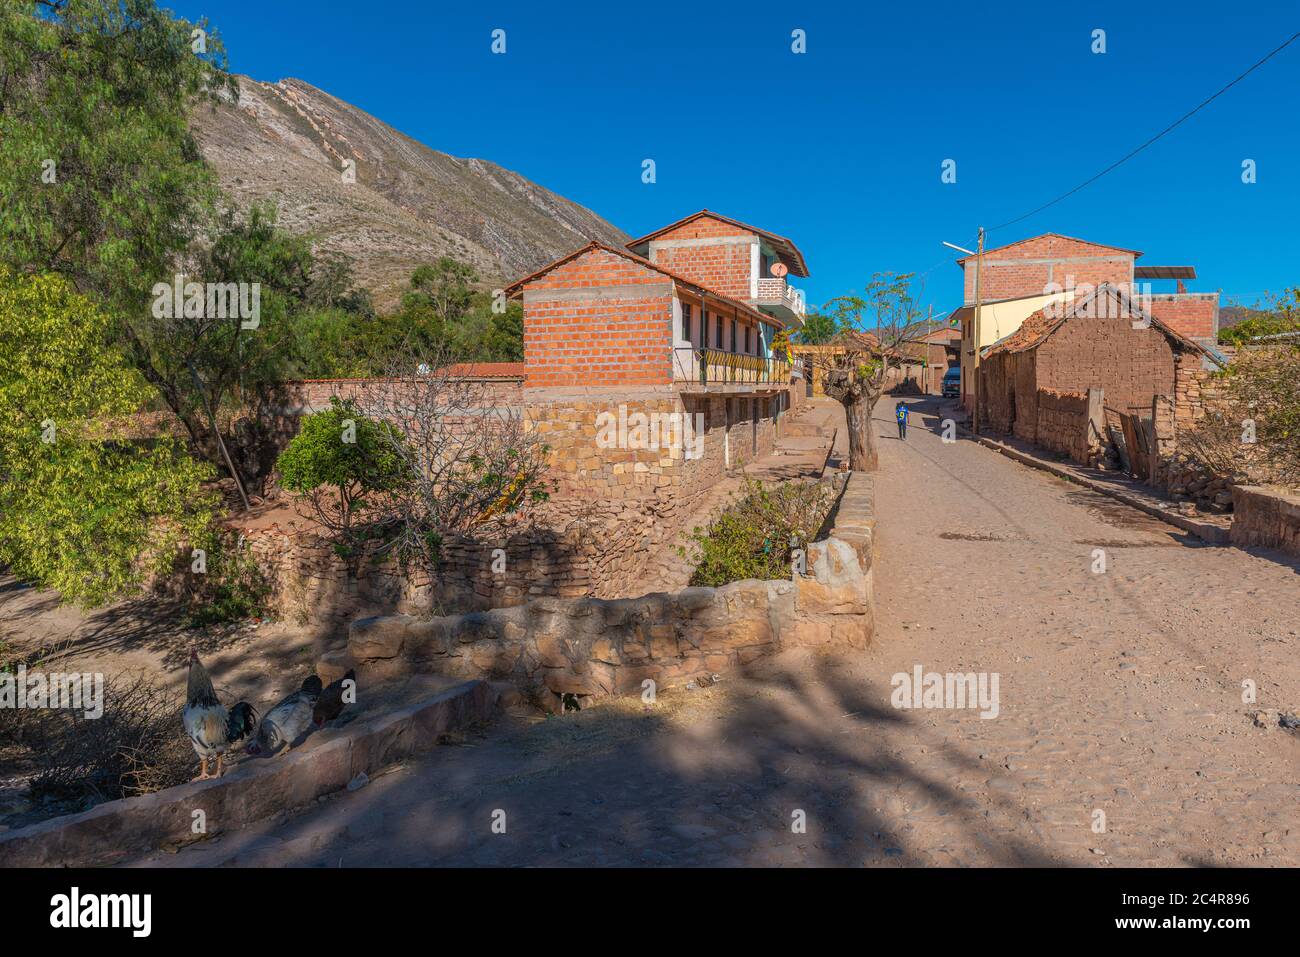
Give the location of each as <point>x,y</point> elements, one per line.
<point>997,319</point>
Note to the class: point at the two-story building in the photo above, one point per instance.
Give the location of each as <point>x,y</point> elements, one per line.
<point>652,370</point>
<point>1021,278</point>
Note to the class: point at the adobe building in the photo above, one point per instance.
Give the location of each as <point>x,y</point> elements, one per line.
<point>1024,277</point>
<point>1035,382</point>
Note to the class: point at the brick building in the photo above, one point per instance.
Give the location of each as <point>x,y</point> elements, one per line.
<point>681,325</point>
<point>1021,278</point>
<point>927,357</point>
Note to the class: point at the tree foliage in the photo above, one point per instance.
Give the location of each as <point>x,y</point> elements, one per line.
<point>873,328</point>
<point>339,462</point>
<point>84,508</point>
<point>1280,317</point>
<point>100,179</point>
<point>756,537</point>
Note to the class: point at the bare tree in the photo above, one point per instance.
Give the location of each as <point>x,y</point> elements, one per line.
<point>873,327</point>
<point>468,457</point>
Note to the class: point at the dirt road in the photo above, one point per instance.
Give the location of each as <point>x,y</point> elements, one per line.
<point>1121,736</point>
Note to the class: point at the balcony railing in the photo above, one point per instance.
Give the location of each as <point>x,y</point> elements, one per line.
<point>772,290</point>
<point>715,367</point>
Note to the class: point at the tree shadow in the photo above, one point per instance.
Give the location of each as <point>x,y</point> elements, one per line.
<point>641,786</point>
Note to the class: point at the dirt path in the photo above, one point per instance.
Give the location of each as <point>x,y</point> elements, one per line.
<point>1120,692</point>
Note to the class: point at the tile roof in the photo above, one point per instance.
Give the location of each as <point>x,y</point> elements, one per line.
<point>1039,325</point>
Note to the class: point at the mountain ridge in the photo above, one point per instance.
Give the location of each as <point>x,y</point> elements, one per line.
<point>287,142</point>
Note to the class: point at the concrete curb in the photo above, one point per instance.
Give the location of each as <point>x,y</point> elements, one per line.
<point>1206,531</point>
<point>256,789</point>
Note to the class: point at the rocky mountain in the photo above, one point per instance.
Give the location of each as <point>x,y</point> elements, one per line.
<point>288,142</point>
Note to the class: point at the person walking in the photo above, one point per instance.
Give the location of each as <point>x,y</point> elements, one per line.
<point>900,413</point>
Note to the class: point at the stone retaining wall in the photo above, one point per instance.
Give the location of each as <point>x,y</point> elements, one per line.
<point>589,646</point>
<point>1266,517</point>
<point>255,789</point>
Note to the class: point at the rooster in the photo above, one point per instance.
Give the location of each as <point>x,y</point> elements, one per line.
<point>331,703</point>
<point>288,719</point>
<point>211,728</point>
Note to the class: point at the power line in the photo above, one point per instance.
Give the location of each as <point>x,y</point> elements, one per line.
<point>1167,129</point>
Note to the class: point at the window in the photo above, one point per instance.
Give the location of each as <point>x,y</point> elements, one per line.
<point>747,349</point>
<point>733,335</point>
<point>717,331</point>
<point>686,322</point>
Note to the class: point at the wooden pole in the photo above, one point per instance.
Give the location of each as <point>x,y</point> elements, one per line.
<point>979,268</point>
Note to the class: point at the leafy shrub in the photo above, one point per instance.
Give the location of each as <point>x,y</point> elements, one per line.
<point>91,514</point>
<point>756,536</point>
<point>1259,401</point>
<point>233,586</point>
<point>339,462</point>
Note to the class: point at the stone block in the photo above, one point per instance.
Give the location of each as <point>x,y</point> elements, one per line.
<point>378,637</point>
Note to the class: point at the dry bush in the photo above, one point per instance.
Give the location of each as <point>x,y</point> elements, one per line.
<point>1252,431</point>
<point>136,746</point>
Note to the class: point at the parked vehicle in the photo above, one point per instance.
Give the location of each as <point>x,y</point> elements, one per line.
<point>952,383</point>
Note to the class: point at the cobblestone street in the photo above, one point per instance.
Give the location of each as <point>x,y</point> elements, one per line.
<point>1120,692</point>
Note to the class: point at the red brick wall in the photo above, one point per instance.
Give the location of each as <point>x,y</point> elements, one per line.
<point>724,267</point>
<point>1195,315</point>
<point>607,340</point>
<point>1131,365</point>
<point>1012,272</point>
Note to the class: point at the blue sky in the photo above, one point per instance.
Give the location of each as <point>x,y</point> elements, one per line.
<point>841,148</point>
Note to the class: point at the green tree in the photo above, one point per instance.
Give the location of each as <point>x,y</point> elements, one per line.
<point>1280,317</point>
<point>505,337</point>
<point>209,365</point>
<point>872,330</point>
<point>100,179</point>
<point>339,463</point>
<point>818,329</point>
<point>84,507</point>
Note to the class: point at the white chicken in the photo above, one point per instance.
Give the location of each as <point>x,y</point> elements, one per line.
<point>288,719</point>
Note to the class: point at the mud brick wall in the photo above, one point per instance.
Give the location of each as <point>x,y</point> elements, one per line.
<point>1062,424</point>
<point>1266,517</point>
<point>1132,366</point>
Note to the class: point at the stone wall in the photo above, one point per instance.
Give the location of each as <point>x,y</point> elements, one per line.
<point>592,647</point>
<point>613,506</point>
<point>1266,517</point>
<point>484,383</point>
<point>253,790</point>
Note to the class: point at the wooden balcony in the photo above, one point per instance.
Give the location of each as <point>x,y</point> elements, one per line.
<point>713,370</point>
